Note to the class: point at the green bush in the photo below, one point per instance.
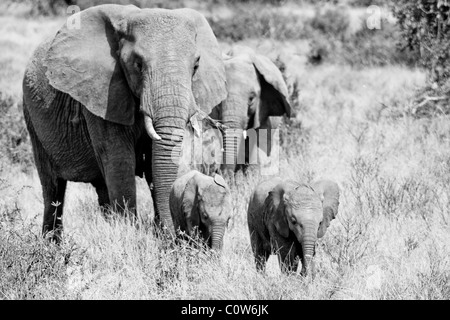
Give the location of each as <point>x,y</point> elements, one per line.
<point>31,268</point>
<point>264,23</point>
<point>425,26</point>
<point>377,47</point>
<point>331,20</point>
<point>14,139</point>
<point>367,3</point>
<point>33,8</point>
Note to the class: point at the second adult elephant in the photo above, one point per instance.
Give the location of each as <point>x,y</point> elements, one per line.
<point>112,98</point>
<point>256,94</point>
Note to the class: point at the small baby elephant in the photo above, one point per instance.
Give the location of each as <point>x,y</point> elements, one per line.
<point>198,200</point>
<point>287,217</point>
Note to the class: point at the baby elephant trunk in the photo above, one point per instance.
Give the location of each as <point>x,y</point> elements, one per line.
<point>217,237</point>
<point>308,244</point>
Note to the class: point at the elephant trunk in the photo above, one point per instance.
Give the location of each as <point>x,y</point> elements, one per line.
<point>166,107</point>
<point>233,152</point>
<point>217,237</point>
<point>308,244</point>
<point>166,154</point>
<point>234,116</point>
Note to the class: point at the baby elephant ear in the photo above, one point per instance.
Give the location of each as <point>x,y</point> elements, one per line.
<point>190,202</point>
<point>328,192</point>
<point>275,203</point>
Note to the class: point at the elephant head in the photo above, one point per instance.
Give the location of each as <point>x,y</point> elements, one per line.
<point>304,210</point>
<point>202,202</point>
<point>126,63</point>
<point>256,92</point>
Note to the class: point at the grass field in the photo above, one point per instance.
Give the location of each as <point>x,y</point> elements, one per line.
<point>356,125</point>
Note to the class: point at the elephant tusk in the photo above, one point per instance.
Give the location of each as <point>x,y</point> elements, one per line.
<point>150,129</point>
<point>244,134</point>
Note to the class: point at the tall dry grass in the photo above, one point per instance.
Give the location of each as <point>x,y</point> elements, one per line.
<point>390,240</point>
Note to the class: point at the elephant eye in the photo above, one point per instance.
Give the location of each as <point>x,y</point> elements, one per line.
<point>137,65</point>
<point>293,220</point>
<point>251,98</point>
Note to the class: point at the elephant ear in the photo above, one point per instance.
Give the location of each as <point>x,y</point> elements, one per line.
<point>274,92</point>
<point>276,206</point>
<point>190,200</point>
<point>209,81</point>
<point>328,192</point>
<point>83,63</point>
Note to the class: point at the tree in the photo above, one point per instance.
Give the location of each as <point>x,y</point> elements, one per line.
<point>425,25</point>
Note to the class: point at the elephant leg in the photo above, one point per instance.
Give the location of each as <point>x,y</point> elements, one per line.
<point>121,184</point>
<point>53,187</point>
<point>53,190</point>
<point>114,147</point>
<point>102,193</point>
<point>260,251</point>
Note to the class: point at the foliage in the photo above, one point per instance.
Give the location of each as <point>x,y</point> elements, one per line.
<point>31,267</point>
<point>33,8</point>
<point>264,23</point>
<point>14,139</point>
<point>425,25</point>
<point>331,20</point>
<point>377,47</point>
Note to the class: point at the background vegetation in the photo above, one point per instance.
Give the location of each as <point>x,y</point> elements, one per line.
<point>358,120</point>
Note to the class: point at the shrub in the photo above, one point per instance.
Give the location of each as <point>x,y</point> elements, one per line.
<point>377,47</point>
<point>425,25</point>
<point>16,147</point>
<point>31,267</point>
<point>331,20</point>
<point>264,23</point>
<point>33,8</point>
<point>367,3</point>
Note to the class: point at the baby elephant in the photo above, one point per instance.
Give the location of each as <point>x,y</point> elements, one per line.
<point>287,217</point>
<point>198,200</point>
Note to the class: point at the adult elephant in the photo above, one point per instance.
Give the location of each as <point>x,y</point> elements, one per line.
<point>112,99</point>
<point>257,94</point>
